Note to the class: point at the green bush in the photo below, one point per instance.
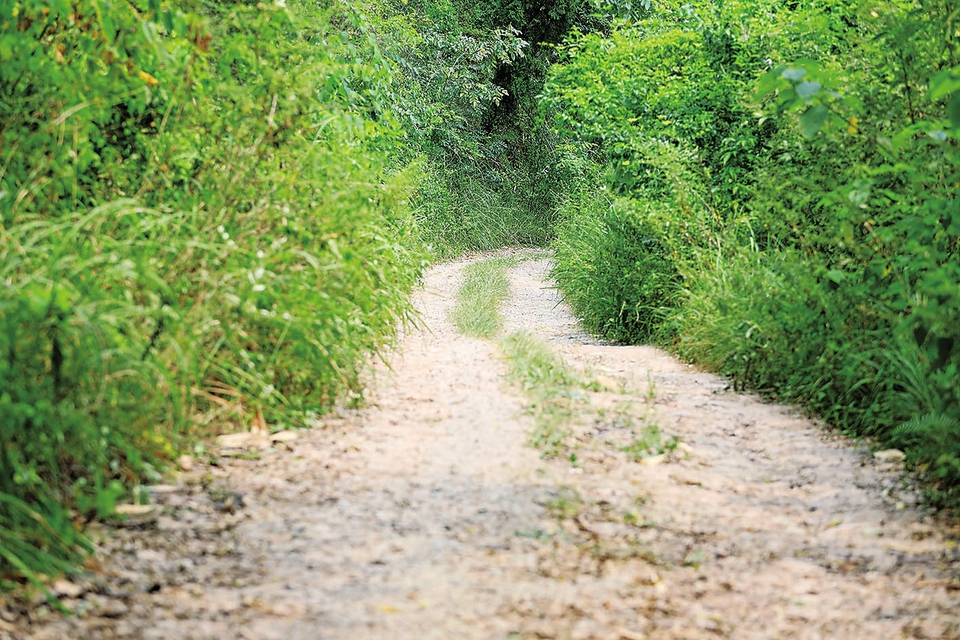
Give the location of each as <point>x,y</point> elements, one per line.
<point>823,150</point>
<point>615,267</point>
<point>205,222</point>
<point>864,187</point>
<point>776,323</point>
<point>621,262</point>
<point>647,99</point>
<point>464,89</point>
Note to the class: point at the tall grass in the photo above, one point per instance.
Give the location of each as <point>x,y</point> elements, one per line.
<point>200,227</point>
<point>813,253</point>
<point>458,214</point>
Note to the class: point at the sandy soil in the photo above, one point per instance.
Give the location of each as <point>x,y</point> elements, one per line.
<point>427,515</point>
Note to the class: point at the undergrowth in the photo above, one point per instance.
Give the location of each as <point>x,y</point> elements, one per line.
<point>799,229</point>
<point>203,223</point>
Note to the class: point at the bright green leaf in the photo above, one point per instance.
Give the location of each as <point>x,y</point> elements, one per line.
<point>944,83</point>
<point>768,82</point>
<point>812,120</point>
<point>806,90</point>
<point>953,110</point>
<point>794,74</point>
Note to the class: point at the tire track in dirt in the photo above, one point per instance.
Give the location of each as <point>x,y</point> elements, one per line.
<point>427,515</point>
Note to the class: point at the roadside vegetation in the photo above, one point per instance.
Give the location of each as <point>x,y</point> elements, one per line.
<point>212,214</point>
<point>203,226</point>
<point>770,189</point>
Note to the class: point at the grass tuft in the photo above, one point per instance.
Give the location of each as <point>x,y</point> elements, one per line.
<point>485,287</point>
<point>552,387</point>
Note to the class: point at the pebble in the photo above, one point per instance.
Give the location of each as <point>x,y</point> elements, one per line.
<point>67,589</point>
<point>137,514</point>
<point>110,607</point>
<point>890,455</point>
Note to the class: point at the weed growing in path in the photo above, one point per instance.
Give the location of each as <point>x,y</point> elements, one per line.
<point>485,287</point>
<point>649,442</point>
<point>557,393</point>
<point>552,387</point>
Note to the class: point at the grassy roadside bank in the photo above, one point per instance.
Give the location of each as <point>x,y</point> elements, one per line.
<point>183,250</point>
<point>782,210</point>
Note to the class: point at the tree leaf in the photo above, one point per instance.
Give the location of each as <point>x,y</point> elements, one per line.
<point>812,120</point>
<point>944,83</point>
<point>768,82</point>
<point>806,90</point>
<point>794,74</point>
<point>788,98</point>
<point>953,110</point>
<point>835,276</point>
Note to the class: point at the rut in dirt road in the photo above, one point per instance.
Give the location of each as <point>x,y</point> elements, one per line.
<point>428,515</point>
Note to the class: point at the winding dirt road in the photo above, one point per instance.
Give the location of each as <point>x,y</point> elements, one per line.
<point>427,515</point>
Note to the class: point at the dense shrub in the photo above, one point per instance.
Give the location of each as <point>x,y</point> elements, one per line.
<point>636,96</point>
<point>465,91</point>
<point>863,191</point>
<point>204,221</point>
<point>621,262</point>
<point>616,269</point>
<point>822,140</point>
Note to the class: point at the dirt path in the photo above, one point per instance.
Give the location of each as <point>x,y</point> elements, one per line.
<point>429,516</point>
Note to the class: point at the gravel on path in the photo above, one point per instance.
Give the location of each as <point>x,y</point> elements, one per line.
<point>427,515</point>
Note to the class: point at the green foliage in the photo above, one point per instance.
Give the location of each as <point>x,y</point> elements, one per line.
<point>616,267</point>
<point>817,148</point>
<point>204,220</point>
<point>656,80</point>
<point>484,159</point>
<point>621,261</point>
<point>484,289</point>
<point>872,209</point>
<point>676,147</point>
<point>459,213</point>
<point>648,443</point>
<point>38,542</point>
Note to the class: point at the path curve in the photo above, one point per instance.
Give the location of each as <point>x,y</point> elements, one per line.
<point>427,515</point>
